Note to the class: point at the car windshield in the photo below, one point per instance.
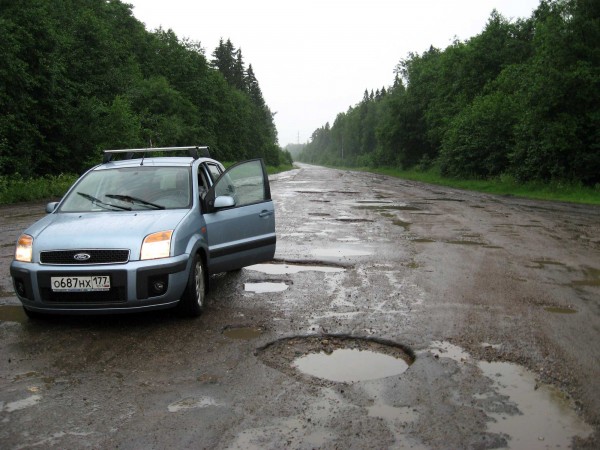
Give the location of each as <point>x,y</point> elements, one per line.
<point>130,189</point>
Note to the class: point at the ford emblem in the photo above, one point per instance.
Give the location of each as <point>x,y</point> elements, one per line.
<point>82,256</point>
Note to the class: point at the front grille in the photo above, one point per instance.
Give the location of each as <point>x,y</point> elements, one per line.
<point>68,257</point>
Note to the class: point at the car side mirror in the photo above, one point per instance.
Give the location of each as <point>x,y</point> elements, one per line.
<point>224,201</point>
<point>51,207</point>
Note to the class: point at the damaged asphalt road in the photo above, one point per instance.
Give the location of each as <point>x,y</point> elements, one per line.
<point>486,309</point>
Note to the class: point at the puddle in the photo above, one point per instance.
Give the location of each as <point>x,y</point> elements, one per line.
<point>560,310</point>
<point>12,313</point>
<point>531,415</point>
<point>443,199</point>
<point>339,252</point>
<point>592,278</point>
<point>22,404</point>
<point>243,333</point>
<point>390,207</point>
<point>264,287</point>
<point>342,359</point>
<point>544,418</point>
<point>423,240</point>
<point>286,269</point>
<point>192,403</point>
<point>402,223</point>
<point>460,242</point>
<point>348,239</point>
<point>350,365</point>
<point>352,220</point>
<point>541,263</point>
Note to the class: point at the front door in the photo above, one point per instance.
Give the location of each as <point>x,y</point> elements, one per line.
<point>240,218</point>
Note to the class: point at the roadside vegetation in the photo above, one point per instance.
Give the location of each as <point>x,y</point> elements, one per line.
<point>502,185</point>
<point>81,76</point>
<point>514,110</point>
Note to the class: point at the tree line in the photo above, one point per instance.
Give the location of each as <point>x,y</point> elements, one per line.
<point>80,76</point>
<point>522,98</point>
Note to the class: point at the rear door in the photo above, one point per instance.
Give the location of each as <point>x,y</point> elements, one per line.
<point>240,218</point>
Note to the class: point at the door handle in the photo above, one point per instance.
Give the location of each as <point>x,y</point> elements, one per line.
<point>265,213</point>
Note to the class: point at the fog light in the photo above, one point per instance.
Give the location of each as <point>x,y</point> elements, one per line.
<point>20,288</point>
<point>158,285</point>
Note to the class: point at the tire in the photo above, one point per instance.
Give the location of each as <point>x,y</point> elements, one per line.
<point>192,301</point>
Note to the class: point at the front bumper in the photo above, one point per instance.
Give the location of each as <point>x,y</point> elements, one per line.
<point>135,286</point>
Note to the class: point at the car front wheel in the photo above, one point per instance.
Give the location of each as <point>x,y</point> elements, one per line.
<point>194,296</point>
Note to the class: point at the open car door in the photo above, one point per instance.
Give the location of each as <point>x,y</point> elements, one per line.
<point>240,218</point>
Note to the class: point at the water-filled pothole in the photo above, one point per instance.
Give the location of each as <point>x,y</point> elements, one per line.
<point>531,414</point>
<point>337,359</point>
<point>12,313</point>
<point>286,269</point>
<point>339,252</point>
<point>264,287</point>
<point>559,310</point>
<point>350,365</point>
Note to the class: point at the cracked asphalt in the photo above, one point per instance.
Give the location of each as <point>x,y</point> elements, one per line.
<point>494,299</point>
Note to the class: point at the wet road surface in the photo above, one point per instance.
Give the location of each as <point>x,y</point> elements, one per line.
<point>466,321</point>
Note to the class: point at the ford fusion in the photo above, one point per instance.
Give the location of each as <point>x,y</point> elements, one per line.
<point>141,232</point>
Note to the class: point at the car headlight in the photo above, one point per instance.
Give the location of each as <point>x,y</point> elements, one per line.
<point>24,250</point>
<point>157,245</point>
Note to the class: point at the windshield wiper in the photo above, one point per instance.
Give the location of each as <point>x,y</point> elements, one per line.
<point>139,201</point>
<point>101,204</point>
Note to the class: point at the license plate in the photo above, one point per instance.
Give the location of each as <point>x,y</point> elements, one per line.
<point>80,284</point>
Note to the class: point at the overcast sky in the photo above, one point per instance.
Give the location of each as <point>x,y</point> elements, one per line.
<point>315,58</point>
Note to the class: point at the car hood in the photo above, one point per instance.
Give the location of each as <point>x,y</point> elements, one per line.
<point>94,230</point>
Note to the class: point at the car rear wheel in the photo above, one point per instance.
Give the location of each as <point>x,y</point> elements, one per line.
<point>194,296</point>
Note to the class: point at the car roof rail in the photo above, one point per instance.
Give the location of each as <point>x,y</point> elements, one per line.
<point>193,151</point>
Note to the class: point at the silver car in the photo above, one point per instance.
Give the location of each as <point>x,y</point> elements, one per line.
<point>145,233</point>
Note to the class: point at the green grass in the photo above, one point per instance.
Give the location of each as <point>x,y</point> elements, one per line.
<point>503,185</point>
<point>14,189</point>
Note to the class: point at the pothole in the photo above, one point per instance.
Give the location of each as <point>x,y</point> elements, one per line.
<point>466,242</point>
<point>560,310</point>
<point>339,252</point>
<point>286,269</point>
<point>12,313</point>
<point>384,207</point>
<point>263,287</point>
<point>531,414</point>
<point>337,359</point>
<point>243,333</point>
<point>352,220</point>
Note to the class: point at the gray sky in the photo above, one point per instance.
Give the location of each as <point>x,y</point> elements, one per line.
<point>314,58</point>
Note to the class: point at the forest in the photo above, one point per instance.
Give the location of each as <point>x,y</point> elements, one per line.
<point>80,76</point>
<point>520,99</point>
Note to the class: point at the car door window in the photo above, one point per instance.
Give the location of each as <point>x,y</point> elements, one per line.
<point>214,170</point>
<point>245,182</point>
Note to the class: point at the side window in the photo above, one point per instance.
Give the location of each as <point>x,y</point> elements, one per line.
<point>214,170</point>
<point>245,182</point>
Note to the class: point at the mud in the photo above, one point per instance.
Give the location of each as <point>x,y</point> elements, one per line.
<point>494,299</point>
